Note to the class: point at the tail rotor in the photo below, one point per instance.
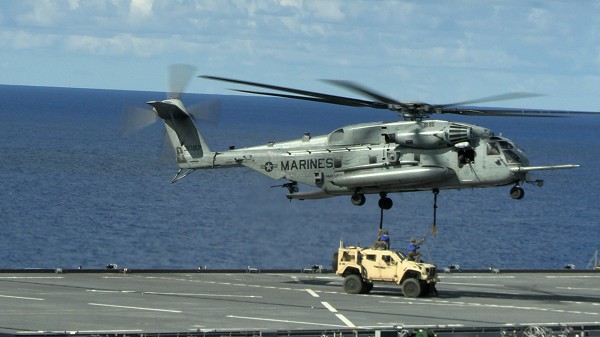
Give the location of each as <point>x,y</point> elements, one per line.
<point>179,121</point>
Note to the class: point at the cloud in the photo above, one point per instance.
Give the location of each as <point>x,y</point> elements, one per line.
<point>129,45</point>
<point>25,40</point>
<point>327,10</point>
<point>409,45</point>
<point>140,11</point>
<point>42,13</point>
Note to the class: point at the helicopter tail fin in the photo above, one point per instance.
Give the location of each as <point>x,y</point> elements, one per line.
<point>188,143</point>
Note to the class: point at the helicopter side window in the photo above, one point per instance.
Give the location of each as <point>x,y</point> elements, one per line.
<point>492,149</point>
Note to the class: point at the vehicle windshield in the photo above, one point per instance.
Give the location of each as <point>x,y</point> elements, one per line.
<point>504,145</point>
<point>511,151</point>
<point>511,157</point>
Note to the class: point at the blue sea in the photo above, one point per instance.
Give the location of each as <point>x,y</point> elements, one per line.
<point>76,191</point>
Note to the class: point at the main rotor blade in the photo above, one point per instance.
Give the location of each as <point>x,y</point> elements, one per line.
<point>359,89</point>
<point>407,110</point>
<point>510,112</point>
<point>495,98</point>
<point>305,95</point>
<point>347,102</point>
<point>180,76</point>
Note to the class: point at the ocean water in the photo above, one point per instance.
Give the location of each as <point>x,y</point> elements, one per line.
<point>76,191</point>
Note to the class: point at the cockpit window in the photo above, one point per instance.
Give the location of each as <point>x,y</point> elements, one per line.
<point>504,145</point>
<point>492,149</point>
<point>511,157</point>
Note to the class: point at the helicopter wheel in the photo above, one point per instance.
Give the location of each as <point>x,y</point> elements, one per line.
<point>517,192</point>
<point>358,199</point>
<point>385,203</point>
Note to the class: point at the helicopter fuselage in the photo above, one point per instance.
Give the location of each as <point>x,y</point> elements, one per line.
<point>383,158</point>
<point>416,154</point>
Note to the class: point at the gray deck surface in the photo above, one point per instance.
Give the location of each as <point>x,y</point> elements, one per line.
<point>185,302</point>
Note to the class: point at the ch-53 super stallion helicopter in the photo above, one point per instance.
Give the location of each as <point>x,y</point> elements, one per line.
<point>413,154</point>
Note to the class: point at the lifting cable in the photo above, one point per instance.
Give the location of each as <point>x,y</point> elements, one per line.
<point>380,223</point>
<point>434,230</point>
<point>435,195</point>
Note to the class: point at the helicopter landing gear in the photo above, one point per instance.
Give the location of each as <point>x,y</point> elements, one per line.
<point>358,199</point>
<point>385,202</point>
<point>517,192</point>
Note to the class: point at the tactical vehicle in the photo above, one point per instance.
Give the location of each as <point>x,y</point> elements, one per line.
<point>361,267</point>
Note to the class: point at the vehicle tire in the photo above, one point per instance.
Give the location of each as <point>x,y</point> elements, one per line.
<point>517,193</point>
<point>411,288</point>
<point>353,284</point>
<point>334,262</point>
<point>367,287</point>
<point>426,290</point>
<point>358,199</point>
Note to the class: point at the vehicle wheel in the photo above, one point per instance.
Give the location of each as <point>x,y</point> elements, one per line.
<point>358,199</point>
<point>411,288</point>
<point>367,287</point>
<point>426,290</point>
<point>353,284</point>
<point>517,193</point>
<point>334,262</point>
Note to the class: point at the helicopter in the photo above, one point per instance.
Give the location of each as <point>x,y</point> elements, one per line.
<point>415,153</point>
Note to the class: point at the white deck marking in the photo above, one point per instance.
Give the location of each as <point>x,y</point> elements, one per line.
<point>135,308</point>
<point>312,293</point>
<point>81,331</point>
<point>585,303</point>
<point>112,291</point>
<point>284,321</point>
<point>494,306</point>
<point>29,277</point>
<point>475,276</point>
<point>346,321</point>
<point>23,298</point>
<point>475,284</point>
<point>340,316</point>
<point>572,288</point>
<point>199,294</point>
<point>571,276</point>
<point>329,307</point>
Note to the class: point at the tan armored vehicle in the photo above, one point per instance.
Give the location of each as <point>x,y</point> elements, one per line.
<point>361,267</point>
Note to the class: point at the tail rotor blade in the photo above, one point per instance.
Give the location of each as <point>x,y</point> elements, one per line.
<point>206,111</point>
<point>180,76</point>
<point>135,118</point>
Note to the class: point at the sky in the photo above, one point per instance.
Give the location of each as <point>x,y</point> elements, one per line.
<point>431,51</point>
